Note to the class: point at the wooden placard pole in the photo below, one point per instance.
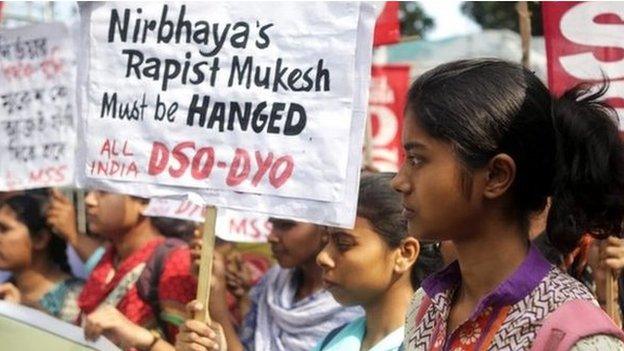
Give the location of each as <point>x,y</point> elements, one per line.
<point>205,265</point>
<point>81,217</point>
<point>612,297</point>
<point>524,17</point>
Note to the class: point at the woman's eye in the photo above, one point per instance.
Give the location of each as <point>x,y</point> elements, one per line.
<point>414,160</point>
<point>342,243</point>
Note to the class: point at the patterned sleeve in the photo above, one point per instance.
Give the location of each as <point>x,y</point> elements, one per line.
<point>412,310</point>
<point>598,343</point>
<point>177,287</point>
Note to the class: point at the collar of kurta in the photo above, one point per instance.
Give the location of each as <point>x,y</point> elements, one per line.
<point>441,285</point>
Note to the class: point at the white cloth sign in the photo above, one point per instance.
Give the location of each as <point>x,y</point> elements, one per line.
<point>37,133</point>
<point>172,208</point>
<point>237,226</point>
<point>244,152</point>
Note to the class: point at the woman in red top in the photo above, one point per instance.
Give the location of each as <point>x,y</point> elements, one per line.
<point>111,303</point>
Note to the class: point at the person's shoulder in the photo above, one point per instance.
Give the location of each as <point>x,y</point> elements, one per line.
<point>176,272</point>
<point>74,284</point>
<point>270,275</point>
<point>599,342</point>
<point>562,287</point>
<point>356,328</point>
<point>178,256</point>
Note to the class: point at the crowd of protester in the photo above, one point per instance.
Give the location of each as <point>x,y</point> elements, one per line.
<point>502,223</point>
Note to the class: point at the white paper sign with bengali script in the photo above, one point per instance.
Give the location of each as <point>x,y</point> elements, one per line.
<point>37,126</point>
<point>253,106</point>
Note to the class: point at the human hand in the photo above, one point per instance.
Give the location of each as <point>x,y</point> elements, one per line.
<point>10,293</point>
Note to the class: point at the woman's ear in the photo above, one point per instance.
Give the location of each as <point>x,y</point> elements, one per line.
<point>40,240</point>
<point>407,255</point>
<point>501,172</point>
<point>136,206</point>
<point>141,204</point>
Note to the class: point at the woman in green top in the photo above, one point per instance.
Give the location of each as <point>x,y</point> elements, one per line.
<point>41,277</point>
<point>374,266</point>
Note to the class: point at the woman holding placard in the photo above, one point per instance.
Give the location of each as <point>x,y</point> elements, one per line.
<point>486,144</point>
<point>41,274</point>
<point>137,292</point>
<point>373,265</point>
<point>290,309</point>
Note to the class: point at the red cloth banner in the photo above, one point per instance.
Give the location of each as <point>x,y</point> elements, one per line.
<point>584,42</point>
<point>388,92</point>
<point>387,29</point>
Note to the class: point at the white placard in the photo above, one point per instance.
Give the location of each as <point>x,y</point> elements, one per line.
<point>37,125</point>
<point>312,206</point>
<point>232,225</point>
<point>40,328</point>
<point>242,227</point>
<point>173,208</point>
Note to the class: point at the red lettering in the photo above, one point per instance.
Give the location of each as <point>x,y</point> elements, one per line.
<point>255,233</point>
<point>233,178</point>
<point>279,180</point>
<point>106,148</point>
<point>263,167</point>
<point>268,226</point>
<point>240,228</point>
<point>181,157</point>
<point>52,66</point>
<point>36,176</point>
<point>58,174</point>
<point>48,175</point>
<point>126,151</point>
<point>102,167</point>
<point>202,172</point>
<point>133,168</point>
<point>184,206</point>
<point>196,208</point>
<point>114,167</point>
<point>158,159</point>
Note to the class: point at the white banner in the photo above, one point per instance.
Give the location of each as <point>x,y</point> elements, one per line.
<point>237,226</point>
<point>311,175</point>
<point>242,227</point>
<point>173,208</point>
<point>37,133</point>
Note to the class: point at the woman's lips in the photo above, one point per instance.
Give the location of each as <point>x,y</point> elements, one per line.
<point>328,283</point>
<point>408,213</point>
<point>277,251</point>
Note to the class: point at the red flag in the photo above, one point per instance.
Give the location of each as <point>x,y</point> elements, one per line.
<point>1,4</point>
<point>388,92</point>
<point>387,30</point>
<point>585,40</point>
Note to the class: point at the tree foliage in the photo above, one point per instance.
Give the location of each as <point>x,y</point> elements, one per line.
<point>502,15</point>
<point>414,20</point>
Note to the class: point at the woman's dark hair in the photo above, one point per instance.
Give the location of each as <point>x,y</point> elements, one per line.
<point>29,209</point>
<point>566,147</point>
<point>381,205</point>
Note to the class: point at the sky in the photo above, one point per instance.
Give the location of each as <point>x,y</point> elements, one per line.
<point>448,18</point>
